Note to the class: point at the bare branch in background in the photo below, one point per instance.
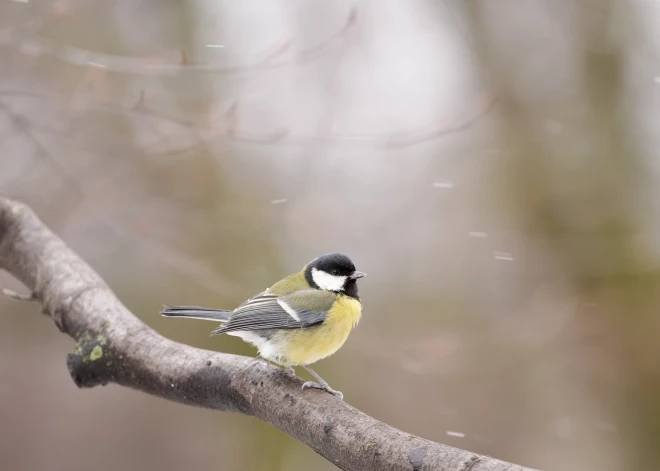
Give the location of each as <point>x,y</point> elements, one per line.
<point>393,139</point>
<point>226,124</point>
<point>169,255</point>
<point>157,65</point>
<point>114,346</point>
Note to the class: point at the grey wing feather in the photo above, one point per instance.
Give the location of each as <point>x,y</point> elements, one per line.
<point>264,311</point>
<point>264,295</point>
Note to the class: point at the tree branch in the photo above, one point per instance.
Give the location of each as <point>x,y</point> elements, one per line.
<point>114,346</point>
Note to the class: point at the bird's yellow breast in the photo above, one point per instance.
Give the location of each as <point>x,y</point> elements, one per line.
<point>306,346</point>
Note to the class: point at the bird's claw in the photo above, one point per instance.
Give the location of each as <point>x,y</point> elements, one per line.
<point>325,387</point>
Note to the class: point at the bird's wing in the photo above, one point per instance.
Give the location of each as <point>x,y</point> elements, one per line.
<point>298,310</point>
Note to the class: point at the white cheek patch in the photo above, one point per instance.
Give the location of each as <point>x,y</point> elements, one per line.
<point>327,281</point>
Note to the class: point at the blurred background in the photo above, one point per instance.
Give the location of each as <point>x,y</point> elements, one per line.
<point>491,165</point>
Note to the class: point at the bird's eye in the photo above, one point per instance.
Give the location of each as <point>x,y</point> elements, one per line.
<point>335,272</point>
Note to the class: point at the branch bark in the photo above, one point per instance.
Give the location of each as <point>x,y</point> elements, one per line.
<point>114,346</point>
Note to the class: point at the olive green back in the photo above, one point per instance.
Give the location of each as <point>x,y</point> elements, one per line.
<point>291,283</point>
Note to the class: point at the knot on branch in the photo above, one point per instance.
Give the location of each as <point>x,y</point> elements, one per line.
<point>91,361</point>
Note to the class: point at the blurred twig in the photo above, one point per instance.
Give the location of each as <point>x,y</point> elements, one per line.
<point>156,65</point>
<point>170,256</point>
<point>13,294</point>
<point>114,346</point>
<point>226,124</point>
<point>22,125</point>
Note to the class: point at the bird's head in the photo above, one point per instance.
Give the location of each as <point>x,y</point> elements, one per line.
<point>333,272</point>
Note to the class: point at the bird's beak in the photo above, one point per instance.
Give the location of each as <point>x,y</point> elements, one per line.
<point>357,274</point>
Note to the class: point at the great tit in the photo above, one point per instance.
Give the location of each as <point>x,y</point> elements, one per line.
<point>299,320</point>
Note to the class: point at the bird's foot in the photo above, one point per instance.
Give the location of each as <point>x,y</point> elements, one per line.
<point>325,387</point>
<point>289,371</point>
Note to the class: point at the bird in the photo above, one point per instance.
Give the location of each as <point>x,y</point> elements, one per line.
<point>299,320</point>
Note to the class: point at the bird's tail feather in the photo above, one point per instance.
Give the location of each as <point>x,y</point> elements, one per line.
<point>194,312</point>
